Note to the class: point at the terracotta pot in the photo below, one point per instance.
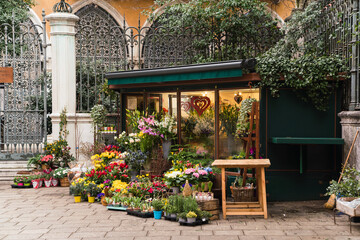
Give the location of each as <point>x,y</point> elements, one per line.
<point>103,202</point>
<point>44,167</point>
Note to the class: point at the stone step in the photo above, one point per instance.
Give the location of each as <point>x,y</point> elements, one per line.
<point>10,172</point>
<point>13,164</point>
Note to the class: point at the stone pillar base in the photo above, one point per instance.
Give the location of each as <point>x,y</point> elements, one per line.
<point>350,123</point>
<point>80,131</point>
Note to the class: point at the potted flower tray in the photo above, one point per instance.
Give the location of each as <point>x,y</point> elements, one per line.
<point>120,208</point>
<point>170,218</point>
<point>16,186</point>
<point>196,223</point>
<point>140,214</point>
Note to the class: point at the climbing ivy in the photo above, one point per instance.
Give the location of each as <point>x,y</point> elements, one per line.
<point>301,65</point>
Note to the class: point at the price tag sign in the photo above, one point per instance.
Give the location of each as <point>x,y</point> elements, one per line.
<point>6,75</point>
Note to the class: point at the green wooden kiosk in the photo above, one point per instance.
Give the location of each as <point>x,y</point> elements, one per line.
<point>303,144</point>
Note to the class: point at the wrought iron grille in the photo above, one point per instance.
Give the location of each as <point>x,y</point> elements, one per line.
<point>102,46</point>
<point>339,29</point>
<point>23,103</point>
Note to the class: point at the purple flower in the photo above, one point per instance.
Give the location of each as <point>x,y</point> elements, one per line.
<point>189,185</point>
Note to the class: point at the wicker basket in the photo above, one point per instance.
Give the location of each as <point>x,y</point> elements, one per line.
<point>243,194</point>
<point>64,182</point>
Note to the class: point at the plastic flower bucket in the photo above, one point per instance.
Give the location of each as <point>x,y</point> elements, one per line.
<point>157,214</point>
<point>77,199</point>
<point>91,199</point>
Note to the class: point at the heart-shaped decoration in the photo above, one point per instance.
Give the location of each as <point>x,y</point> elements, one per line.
<point>186,106</point>
<point>200,104</point>
<point>238,99</point>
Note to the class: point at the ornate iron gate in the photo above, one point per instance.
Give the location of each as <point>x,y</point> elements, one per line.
<point>23,103</point>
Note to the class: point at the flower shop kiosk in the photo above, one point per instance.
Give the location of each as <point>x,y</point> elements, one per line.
<point>302,143</point>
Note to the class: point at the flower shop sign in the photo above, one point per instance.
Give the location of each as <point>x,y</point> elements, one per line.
<point>6,75</point>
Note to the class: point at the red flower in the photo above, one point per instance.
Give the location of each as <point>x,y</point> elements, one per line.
<point>150,190</point>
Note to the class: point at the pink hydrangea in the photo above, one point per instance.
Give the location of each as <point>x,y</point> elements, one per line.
<point>202,172</point>
<point>189,170</point>
<point>196,175</point>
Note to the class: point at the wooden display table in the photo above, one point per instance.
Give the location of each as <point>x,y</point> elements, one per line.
<point>245,208</point>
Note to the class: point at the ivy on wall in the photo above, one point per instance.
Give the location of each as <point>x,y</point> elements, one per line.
<point>302,65</point>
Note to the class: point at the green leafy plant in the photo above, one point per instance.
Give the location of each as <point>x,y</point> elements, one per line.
<point>98,116</point>
<point>228,118</point>
<point>303,65</point>
<point>92,189</point>
<point>157,204</point>
<point>216,21</point>
<point>349,186</point>
<point>205,214</point>
<point>77,188</point>
<point>34,162</point>
<point>210,185</point>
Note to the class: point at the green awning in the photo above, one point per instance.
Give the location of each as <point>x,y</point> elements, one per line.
<point>180,74</point>
<point>177,77</point>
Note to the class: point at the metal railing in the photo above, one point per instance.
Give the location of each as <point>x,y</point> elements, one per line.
<point>338,26</point>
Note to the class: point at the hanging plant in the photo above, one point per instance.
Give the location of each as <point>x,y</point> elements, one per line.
<point>242,126</point>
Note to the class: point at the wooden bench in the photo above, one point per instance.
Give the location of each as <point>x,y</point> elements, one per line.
<point>245,208</point>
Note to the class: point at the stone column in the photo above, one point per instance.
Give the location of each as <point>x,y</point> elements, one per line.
<point>350,123</point>
<point>62,38</point>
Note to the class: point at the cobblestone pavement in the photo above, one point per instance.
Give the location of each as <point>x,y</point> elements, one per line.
<point>50,213</point>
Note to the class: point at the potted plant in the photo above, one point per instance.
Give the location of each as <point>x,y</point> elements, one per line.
<point>205,215</point>
<point>47,180</point>
<point>54,180</point>
<point>191,217</point>
<point>62,174</point>
<point>16,181</point>
<point>34,162</point>
<point>46,162</point>
<point>27,181</point>
<point>158,206</point>
<point>92,191</point>
<point>35,180</point>
<point>77,189</point>
<point>182,217</point>
<point>109,201</point>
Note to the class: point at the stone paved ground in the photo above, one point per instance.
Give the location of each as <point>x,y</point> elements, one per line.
<point>51,214</point>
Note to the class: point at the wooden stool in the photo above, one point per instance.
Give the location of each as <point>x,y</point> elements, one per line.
<point>245,208</point>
